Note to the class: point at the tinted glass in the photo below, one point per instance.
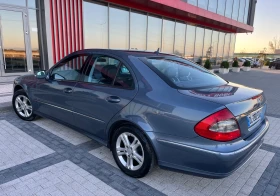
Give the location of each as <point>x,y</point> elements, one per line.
<point>138,31</point>
<point>226,47</point>
<point>235,10</point>
<point>101,70</point>
<point>124,78</point>
<point>229,8</point>
<point>214,46</point>
<point>221,7</point>
<point>14,2</point>
<point>199,45</point>
<point>220,47</point>
<point>182,73</point>
<point>119,28</point>
<point>154,33</point>
<point>203,4</point>
<point>168,36</point>
<point>180,35</point>
<point>190,39</point>
<point>95,25</point>
<point>241,10</point>
<point>69,69</point>
<point>193,2</point>
<point>246,11</point>
<point>207,49</point>
<point>213,5</point>
<point>34,39</point>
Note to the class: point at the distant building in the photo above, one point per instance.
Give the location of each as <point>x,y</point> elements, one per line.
<point>277,51</point>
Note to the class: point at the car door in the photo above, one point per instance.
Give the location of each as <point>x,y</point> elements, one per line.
<point>54,95</point>
<point>105,88</point>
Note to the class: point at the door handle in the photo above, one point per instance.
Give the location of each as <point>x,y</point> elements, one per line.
<point>68,90</point>
<point>113,99</point>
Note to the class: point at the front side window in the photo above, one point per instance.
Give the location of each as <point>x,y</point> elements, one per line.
<point>69,69</point>
<point>182,74</point>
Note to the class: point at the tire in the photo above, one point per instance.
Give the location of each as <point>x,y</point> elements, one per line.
<point>22,106</point>
<point>144,150</point>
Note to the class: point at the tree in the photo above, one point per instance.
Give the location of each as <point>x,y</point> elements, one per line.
<point>274,44</point>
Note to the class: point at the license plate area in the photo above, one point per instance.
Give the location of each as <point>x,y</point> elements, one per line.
<point>254,117</point>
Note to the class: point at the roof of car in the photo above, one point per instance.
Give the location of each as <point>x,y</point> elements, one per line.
<point>137,53</point>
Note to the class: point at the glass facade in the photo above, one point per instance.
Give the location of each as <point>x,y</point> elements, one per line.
<point>190,38</point>
<point>234,9</point>
<point>138,31</point>
<point>168,36</point>
<point>118,28</point>
<point>198,52</point>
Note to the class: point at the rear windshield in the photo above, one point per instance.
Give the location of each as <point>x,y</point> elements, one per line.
<point>181,73</point>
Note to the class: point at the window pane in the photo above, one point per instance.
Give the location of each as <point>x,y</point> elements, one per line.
<point>124,78</point>
<point>221,7</point>
<point>34,40</point>
<point>232,46</point>
<point>226,47</point>
<point>235,10</point>
<point>138,30</point>
<point>229,8</point>
<point>241,11</point>
<point>101,70</point>
<point>246,11</point>
<point>95,25</point>
<point>193,2</point>
<point>168,36</point>
<point>32,3</point>
<point>214,47</point>
<point>220,47</point>
<point>190,39</point>
<point>154,33</point>
<point>119,28</point>
<point>199,45</point>
<point>182,73</point>
<point>69,69</point>
<point>180,39</point>
<point>212,6</point>
<point>14,2</point>
<point>203,4</point>
<point>207,49</point>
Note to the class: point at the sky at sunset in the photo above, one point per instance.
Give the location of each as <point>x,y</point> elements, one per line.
<point>266,26</point>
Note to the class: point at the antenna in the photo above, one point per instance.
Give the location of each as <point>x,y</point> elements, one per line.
<point>157,52</point>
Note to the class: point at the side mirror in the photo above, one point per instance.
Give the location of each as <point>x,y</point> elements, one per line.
<point>41,74</point>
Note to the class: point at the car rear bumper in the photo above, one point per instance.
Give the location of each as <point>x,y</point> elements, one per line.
<point>219,163</point>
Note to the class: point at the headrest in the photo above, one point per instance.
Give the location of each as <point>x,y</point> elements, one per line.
<point>109,71</point>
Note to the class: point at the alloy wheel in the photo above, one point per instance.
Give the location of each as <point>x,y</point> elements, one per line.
<point>130,151</point>
<point>23,106</point>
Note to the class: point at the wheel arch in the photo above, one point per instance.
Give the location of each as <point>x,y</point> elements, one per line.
<point>18,87</point>
<point>121,123</point>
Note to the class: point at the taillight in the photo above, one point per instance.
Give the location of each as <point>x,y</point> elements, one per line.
<point>220,126</point>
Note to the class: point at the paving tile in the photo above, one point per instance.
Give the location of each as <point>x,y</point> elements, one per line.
<point>231,185</point>
<point>62,131</point>
<point>17,147</point>
<point>30,185</point>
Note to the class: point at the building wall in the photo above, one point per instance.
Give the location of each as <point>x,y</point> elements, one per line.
<point>66,27</point>
<point>114,27</point>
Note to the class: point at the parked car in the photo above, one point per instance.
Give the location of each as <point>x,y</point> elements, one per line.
<point>149,108</point>
<point>240,61</point>
<point>275,65</point>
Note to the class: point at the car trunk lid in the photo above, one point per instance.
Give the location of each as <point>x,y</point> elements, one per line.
<point>248,105</point>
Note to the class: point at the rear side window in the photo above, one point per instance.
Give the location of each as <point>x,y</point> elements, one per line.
<point>181,73</point>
